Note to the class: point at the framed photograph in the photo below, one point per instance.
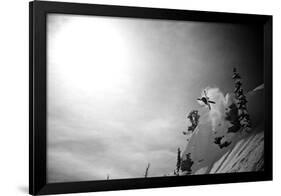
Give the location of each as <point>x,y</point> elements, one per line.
<point>132,97</point>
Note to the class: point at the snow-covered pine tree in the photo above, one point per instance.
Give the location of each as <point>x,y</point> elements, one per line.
<point>241,101</point>
<point>193,116</point>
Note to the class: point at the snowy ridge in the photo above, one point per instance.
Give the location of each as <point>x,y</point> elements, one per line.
<point>245,152</point>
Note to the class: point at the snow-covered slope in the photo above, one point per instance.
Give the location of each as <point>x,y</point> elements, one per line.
<point>245,153</point>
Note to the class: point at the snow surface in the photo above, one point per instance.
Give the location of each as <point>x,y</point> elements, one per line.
<point>246,156</point>
<point>246,151</point>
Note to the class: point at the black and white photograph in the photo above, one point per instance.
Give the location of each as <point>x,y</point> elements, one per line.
<point>142,98</point>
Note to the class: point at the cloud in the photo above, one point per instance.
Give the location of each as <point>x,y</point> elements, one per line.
<point>79,150</point>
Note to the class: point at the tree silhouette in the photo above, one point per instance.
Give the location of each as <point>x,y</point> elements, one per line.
<point>218,141</point>
<point>177,171</point>
<point>186,164</point>
<point>146,170</point>
<point>193,116</point>
<point>232,116</point>
<point>241,102</point>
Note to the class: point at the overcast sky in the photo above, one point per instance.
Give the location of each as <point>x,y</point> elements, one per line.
<point>119,89</point>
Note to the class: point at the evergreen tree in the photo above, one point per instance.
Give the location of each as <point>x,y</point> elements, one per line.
<point>218,141</point>
<point>231,115</point>
<point>178,162</point>
<point>146,170</point>
<point>193,116</point>
<point>243,116</point>
<point>186,164</point>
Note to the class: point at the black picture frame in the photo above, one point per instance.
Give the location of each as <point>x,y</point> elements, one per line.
<point>37,101</point>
